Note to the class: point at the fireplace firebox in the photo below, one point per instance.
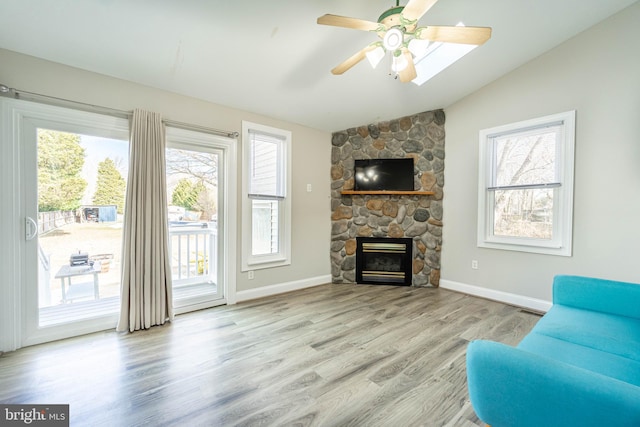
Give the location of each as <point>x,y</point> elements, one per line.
<point>384,261</point>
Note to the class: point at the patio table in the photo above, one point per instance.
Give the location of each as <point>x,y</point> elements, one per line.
<point>74,291</point>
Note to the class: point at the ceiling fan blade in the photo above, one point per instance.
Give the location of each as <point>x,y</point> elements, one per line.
<point>416,8</point>
<point>353,60</point>
<point>346,22</point>
<point>409,73</point>
<point>465,35</point>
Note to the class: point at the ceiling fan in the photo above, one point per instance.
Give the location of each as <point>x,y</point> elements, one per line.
<point>400,34</point>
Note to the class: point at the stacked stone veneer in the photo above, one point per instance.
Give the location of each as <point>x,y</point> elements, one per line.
<point>421,137</point>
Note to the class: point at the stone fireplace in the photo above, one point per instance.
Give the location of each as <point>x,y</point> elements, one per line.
<point>414,217</point>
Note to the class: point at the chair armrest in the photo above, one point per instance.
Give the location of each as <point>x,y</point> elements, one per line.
<point>512,387</point>
<point>607,296</point>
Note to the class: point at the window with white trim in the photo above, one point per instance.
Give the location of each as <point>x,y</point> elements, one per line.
<point>266,201</point>
<point>526,185</point>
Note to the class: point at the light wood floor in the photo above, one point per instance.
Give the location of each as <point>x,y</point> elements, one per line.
<point>333,355</point>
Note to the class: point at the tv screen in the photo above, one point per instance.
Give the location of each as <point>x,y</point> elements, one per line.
<point>384,174</point>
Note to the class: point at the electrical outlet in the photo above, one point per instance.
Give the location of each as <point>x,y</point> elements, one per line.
<point>474,264</point>
<point>309,188</point>
<point>251,275</point>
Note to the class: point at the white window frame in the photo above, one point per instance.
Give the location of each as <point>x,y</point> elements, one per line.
<point>561,241</point>
<point>283,256</point>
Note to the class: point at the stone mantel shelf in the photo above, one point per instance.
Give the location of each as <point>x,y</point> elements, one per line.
<point>386,192</point>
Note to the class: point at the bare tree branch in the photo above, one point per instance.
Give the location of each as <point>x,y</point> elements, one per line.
<point>201,166</point>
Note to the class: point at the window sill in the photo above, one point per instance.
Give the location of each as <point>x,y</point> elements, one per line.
<point>522,247</point>
<point>262,264</point>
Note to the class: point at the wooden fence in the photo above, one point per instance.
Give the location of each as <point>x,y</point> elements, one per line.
<point>49,221</point>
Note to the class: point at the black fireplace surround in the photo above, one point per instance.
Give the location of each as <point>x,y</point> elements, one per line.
<point>384,261</point>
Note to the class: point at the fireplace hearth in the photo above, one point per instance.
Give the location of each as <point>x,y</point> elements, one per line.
<point>384,261</point>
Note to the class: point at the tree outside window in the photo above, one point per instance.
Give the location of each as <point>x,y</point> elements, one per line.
<point>60,162</point>
<point>110,186</point>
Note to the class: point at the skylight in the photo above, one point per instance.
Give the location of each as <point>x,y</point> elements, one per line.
<point>439,56</point>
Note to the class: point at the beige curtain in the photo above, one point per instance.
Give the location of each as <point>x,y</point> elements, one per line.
<point>146,273</point>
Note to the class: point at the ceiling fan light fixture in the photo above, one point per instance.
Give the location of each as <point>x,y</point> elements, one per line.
<point>393,39</point>
<point>399,62</point>
<point>375,56</point>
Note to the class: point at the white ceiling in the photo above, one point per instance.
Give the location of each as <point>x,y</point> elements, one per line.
<point>271,58</point>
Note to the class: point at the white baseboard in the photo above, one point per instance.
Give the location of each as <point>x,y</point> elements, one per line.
<point>280,288</point>
<point>506,297</point>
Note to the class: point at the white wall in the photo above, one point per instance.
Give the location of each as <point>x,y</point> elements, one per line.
<point>597,73</point>
<point>311,153</point>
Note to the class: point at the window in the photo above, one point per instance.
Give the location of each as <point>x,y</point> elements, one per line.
<point>526,185</point>
<point>266,202</point>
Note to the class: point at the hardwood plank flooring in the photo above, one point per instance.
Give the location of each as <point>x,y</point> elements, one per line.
<point>332,355</point>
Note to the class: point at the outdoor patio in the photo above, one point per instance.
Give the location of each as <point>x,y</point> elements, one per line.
<point>94,290</point>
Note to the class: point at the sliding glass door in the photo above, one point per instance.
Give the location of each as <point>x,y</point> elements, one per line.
<point>196,197</point>
<point>193,202</point>
<point>70,176</point>
<point>81,184</point>
<point>64,176</point>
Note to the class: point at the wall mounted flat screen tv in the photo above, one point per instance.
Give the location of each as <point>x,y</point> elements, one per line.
<point>384,174</point>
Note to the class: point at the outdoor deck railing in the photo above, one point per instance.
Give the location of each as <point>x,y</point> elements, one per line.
<point>193,252</point>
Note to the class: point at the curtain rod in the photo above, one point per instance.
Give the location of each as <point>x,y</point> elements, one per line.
<point>10,92</point>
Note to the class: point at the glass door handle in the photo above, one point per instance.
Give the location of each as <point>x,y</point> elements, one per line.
<point>31,228</point>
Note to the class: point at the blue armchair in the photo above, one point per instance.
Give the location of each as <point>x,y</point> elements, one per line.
<point>579,366</point>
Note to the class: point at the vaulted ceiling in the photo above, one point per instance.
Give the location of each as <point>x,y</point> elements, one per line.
<point>271,58</point>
